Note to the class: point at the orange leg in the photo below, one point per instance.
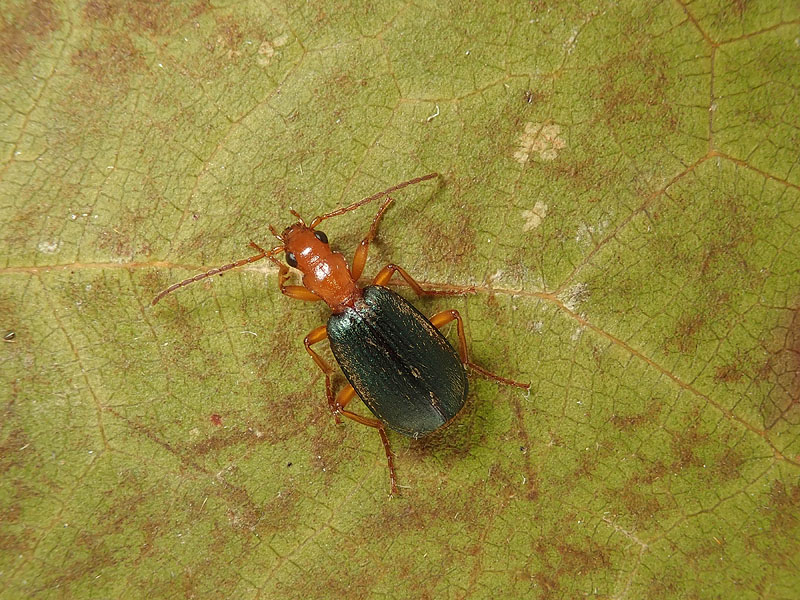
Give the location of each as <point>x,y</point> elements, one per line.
<point>384,438</point>
<point>317,335</point>
<point>443,318</point>
<point>337,404</point>
<point>387,272</point>
<point>298,292</point>
<point>344,396</point>
<point>360,258</point>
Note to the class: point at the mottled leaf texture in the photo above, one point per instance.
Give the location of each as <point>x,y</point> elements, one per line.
<point>619,201</point>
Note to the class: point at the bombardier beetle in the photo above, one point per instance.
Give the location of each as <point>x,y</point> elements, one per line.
<point>395,359</point>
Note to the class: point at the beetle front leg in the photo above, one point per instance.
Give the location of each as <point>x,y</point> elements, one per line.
<point>317,335</point>
<point>384,438</point>
<point>360,258</point>
<point>298,292</point>
<point>387,272</point>
<point>443,318</point>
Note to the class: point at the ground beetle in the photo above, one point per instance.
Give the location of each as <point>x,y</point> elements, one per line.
<point>395,359</point>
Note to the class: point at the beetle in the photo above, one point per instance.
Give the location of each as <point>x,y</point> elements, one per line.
<point>394,358</point>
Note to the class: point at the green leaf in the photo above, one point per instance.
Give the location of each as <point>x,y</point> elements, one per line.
<point>619,182</point>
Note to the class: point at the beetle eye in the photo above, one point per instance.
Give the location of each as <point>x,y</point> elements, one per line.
<point>291,260</point>
<point>321,237</point>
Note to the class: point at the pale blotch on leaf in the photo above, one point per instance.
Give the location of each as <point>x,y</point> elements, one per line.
<point>267,49</point>
<point>231,52</point>
<point>49,247</point>
<point>534,217</point>
<point>576,296</point>
<point>587,233</point>
<point>541,139</point>
<point>570,44</point>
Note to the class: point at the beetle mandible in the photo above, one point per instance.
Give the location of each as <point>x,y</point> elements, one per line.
<point>395,359</point>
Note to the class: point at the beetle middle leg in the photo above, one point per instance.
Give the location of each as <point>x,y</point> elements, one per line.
<point>338,403</point>
<point>315,336</point>
<point>441,319</point>
<point>387,272</point>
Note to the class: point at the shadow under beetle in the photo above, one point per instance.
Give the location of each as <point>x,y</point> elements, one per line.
<point>395,359</point>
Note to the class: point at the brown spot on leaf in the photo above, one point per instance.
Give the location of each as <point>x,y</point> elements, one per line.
<point>728,464</point>
<point>121,238</point>
<point>684,445</point>
<point>452,443</point>
<point>727,374</point>
<point>784,507</point>
<point>452,242</point>
<point>11,448</point>
<point>780,372</point>
<point>684,339</point>
<point>582,174</point>
<point>566,555</point>
<point>153,18</point>
<point>630,422</point>
<point>112,62</point>
<point>584,558</point>
<point>621,94</point>
<point>275,514</point>
<point>149,17</point>
<point>653,473</point>
<point>23,27</point>
<point>30,216</point>
<point>640,503</point>
<point>102,11</point>
<point>215,443</point>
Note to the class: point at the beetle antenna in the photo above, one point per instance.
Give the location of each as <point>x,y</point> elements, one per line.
<point>274,232</point>
<point>297,216</point>
<point>367,200</point>
<point>217,270</point>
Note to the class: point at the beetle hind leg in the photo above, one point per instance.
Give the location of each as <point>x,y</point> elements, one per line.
<point>441,319</point>
<point>384,438</point>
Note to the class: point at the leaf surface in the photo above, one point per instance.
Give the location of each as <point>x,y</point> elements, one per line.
<point>619,183</point>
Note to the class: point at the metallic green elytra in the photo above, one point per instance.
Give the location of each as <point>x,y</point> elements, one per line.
<point>399,364</point>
